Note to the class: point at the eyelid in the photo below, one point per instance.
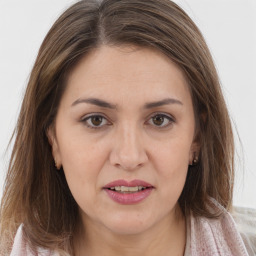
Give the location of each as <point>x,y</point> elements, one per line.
<point>165,115</point>
<point>85,118</point>
<point>162,114</point>
<point>168,116</point>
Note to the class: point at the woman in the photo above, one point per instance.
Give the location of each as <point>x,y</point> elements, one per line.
<point>124,144</point>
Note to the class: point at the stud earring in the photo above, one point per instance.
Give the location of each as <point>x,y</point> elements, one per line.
<point>195,160</point>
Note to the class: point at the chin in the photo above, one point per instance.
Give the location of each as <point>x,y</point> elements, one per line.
<point>125,229</point>
<point>128,224</point>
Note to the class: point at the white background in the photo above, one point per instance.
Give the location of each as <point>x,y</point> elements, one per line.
<point>229,27</point>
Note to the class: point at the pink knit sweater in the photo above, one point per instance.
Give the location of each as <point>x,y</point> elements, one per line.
<point>205,237</point>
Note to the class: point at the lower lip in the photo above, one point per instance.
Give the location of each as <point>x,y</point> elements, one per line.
<point>129,198</point>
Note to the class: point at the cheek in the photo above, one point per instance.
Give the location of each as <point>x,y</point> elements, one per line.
<point>172,155</point>
<point>82,171</point>
<point>171,163</point>
<point>78,150</point>
<point>82,162</point>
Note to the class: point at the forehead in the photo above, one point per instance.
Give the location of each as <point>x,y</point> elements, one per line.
<point>126,71</point>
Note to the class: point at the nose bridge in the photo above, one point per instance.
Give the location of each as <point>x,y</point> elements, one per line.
<point>129,149</point>
<point>129,139</point>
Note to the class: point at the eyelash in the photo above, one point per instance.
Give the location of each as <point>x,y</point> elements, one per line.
<point>169,118</point>
<point>91,126</point>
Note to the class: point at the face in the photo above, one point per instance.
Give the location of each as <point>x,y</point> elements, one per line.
<point>124,135</point>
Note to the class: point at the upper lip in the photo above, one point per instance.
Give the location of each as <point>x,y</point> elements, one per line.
<point>132,183</point>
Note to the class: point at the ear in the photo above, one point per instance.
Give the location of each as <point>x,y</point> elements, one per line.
<point>194,151</point>
<point>51,135</point>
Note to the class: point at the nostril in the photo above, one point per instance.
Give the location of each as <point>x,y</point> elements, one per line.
<point>128,152</point>
<point>127,162</point>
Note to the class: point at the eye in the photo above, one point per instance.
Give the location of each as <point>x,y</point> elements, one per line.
<point>161,120</point>
<point>95,121</point>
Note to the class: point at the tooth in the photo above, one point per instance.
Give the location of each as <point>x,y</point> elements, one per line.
<point>127,189</point>
<point>133,189</point>
<point>124,189</point>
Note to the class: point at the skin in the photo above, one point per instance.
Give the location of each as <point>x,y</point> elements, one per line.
<point>153,144</point>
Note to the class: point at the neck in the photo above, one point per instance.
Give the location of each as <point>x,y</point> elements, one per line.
<point>168,237</point>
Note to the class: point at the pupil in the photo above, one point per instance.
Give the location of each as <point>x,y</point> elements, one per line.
<point>96,120</point>
<point>158,120</point>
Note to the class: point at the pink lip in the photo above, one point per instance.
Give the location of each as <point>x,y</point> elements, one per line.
<point>128,198</point>
<point>132,183</point>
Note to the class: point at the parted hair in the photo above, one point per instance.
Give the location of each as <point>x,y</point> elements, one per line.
<point>35,193</point>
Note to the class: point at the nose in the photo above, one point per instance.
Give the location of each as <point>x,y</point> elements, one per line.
<point>128,151</point>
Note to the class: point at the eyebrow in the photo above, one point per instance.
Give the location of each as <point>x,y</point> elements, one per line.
<point>95,101</point>
<point>163,102</point>
<point>104,104</point>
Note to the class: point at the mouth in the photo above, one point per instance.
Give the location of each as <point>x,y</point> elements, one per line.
<point>124,192</point>
<point>123,186</point>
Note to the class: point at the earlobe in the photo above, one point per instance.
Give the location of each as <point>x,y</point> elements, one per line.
<point>194,159</point>
<point>194,154</point>
<point>55,148</point>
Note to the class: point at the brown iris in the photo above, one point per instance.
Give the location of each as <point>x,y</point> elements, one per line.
<point>96,120</point>
<point>158,120</point>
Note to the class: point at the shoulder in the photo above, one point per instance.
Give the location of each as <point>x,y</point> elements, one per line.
<point>21,247</point>
<point>245,219</point>
<point>216,236</point>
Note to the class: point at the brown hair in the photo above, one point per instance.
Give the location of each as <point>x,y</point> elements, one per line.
<point>37,195</point>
